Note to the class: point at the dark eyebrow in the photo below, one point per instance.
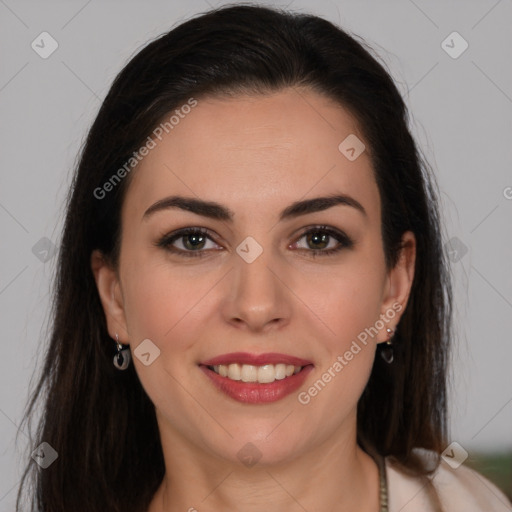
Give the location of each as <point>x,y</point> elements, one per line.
<point>217,211</point>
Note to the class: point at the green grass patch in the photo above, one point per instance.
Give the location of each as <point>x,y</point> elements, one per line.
<point>497,467</point>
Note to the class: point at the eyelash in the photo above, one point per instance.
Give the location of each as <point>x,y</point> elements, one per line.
<point>166,241</point>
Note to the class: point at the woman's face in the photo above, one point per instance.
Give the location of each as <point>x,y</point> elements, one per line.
<point>253,285</point>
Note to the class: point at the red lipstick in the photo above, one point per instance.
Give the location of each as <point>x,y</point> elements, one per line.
<point>255,392</point>
<point>256,359</point>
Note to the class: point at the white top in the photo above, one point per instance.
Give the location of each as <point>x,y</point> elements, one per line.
<point>459,490</point>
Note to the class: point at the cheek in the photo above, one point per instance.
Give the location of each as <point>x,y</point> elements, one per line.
<point>351,309</point>
<point>353,301</point>
<point>164,302</point>
<point>163,305</point>
<point>147,309</point>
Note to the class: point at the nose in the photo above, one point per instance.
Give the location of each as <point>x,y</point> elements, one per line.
<point>258,297</point>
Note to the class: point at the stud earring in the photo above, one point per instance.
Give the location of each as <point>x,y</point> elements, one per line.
<point>387,351</point>
<point>122,358</point>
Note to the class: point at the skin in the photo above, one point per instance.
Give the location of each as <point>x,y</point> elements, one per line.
<point>256,155</point>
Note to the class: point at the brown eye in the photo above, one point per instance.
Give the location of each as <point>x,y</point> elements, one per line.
<point>321,240</point>
<point>192,241</point>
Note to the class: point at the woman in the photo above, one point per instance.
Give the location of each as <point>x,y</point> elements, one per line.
<point>252,308</point>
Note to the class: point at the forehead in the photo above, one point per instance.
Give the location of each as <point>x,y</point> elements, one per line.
<point>253,151</point>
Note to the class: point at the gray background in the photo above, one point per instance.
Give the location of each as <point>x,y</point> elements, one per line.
<point>460,114</point>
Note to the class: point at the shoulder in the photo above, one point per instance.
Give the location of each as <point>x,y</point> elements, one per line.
<point>458,489</point>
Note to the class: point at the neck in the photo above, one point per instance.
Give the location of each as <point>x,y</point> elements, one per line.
<point>339,476</point>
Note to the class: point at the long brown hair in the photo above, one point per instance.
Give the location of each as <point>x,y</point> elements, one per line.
<point>99,420</point>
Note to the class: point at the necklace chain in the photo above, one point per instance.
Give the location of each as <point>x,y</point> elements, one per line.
<point>383,484</point>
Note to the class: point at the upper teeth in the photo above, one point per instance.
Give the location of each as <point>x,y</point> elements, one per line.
<point>262,374</point>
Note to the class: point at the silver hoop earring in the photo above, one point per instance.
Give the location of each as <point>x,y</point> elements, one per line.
<point>387,351</point>
<point>122,358</point>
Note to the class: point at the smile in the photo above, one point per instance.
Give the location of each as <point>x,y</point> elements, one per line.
<point>264,374</point>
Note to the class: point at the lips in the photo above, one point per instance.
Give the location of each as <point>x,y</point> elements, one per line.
<point>256,359</point>
<point>252,378</point>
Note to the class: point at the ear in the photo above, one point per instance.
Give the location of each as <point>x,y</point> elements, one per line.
<point>111,296</point>
<point>398,287</point>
